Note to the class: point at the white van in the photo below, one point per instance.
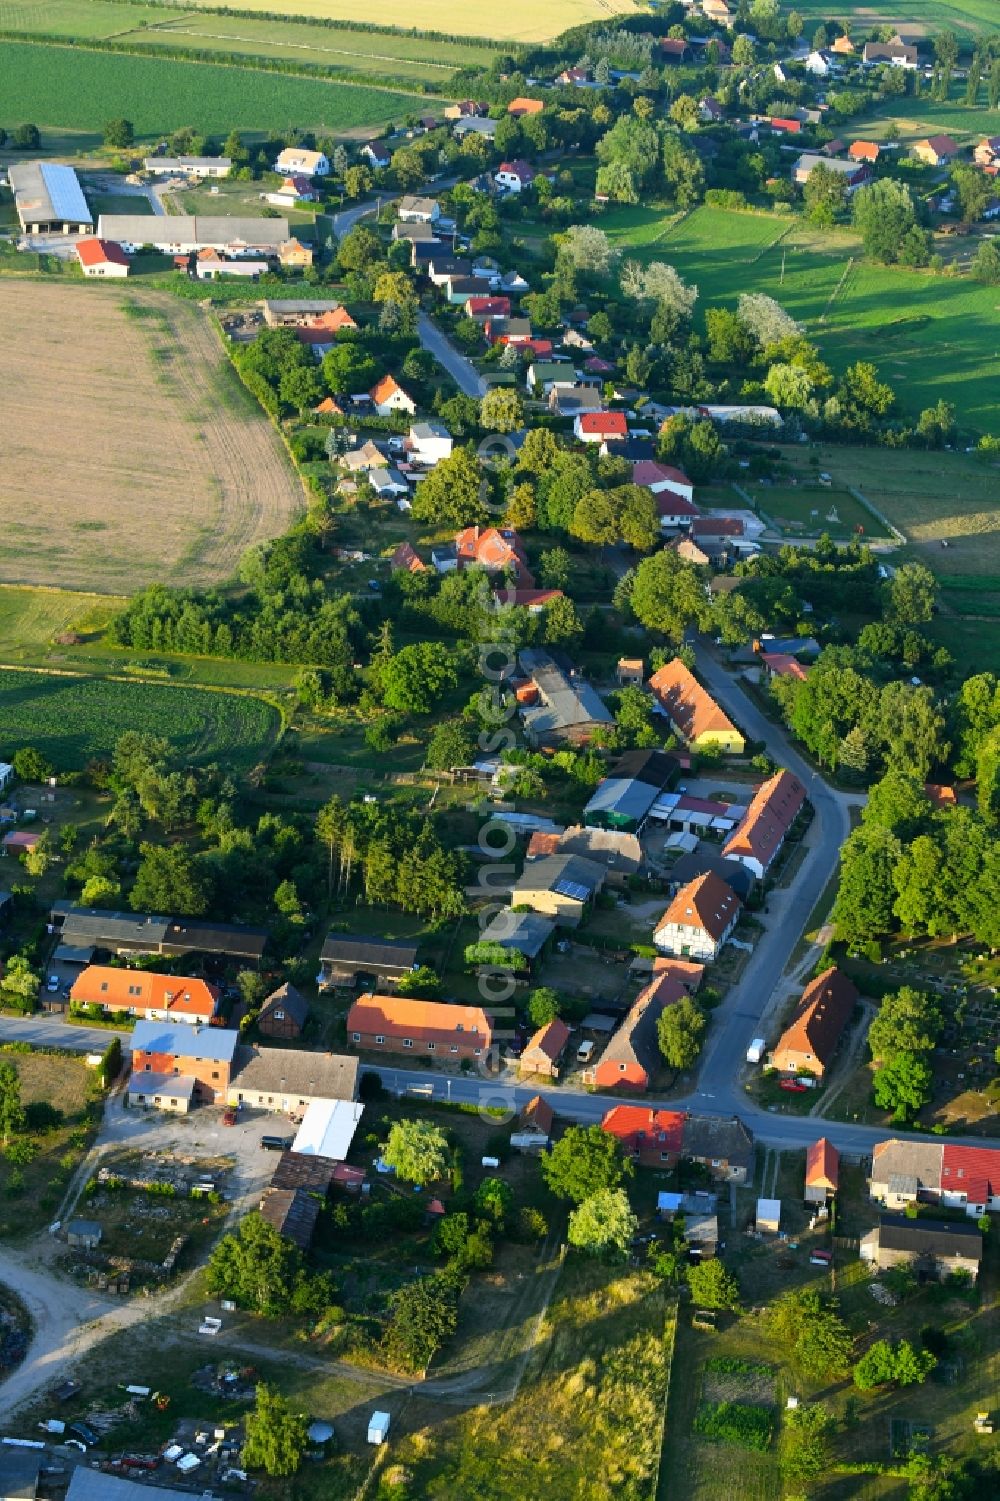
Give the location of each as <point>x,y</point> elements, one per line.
<point>585,1052</point>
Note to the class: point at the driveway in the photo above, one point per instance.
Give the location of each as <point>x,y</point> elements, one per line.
<point>462,371</point>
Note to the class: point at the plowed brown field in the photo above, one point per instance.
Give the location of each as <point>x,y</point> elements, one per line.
<point>131,454</point>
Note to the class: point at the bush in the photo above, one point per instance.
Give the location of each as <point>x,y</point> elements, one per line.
<point>743,1423</point>
<point>41,1116</point>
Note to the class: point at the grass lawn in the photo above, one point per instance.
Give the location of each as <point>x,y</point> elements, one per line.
<point>930,336</point>
<point>909,119</point>
<point>31,1193</point>
<point>585,1424</point>
<point>238,198</point>
<point>806,510</point>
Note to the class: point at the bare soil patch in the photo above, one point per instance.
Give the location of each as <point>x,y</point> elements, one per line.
<point>133,455</point>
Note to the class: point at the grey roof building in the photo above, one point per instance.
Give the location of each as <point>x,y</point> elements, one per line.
<point>932,1247</point>
<point>528,932</point>
<point>689,867</point>
<point>621,852</point>
<point>293,1212</point>
<point>620,803</point>
<point>48,197</point>
<point>719,1139</point>
<point>141,933</point>
<point>179,233</point>
<point>294,1074</point>
<point>94,1485</point>
<point>346,957</point>
<point>19,1471</point>
<point>570,710</point>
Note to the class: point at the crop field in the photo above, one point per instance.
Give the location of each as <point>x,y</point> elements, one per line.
<point>402,58</point>
<point>910,119</point>
<point>931,336</point>
<point>517,21</point>
<point>71,720</point>
<point>915,17</point>
<point>151,463</point>
<point>72,88</point>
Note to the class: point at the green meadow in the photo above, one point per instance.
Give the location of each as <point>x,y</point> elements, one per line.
<point>931,336</point>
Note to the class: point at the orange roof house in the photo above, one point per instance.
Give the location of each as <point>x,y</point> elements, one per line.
<point>495,550</point>
<point>936,150</point>
<point>772,811</point>
<point>864,151</point>
<point>941,797</point>
<point>401,1024</point>
<point>542,1054</point>
<point>328,408</point>
<point>522,106</point>
<point>822,1171</point>
<point>779,664</point>
<point>692,710</point>
<point>293,253</point>
<point>655,1137</point>
<point>632,1057</point>
<point>408,558</point>
<point>699,920</point>
<point>809,1041</point>
<point>155,997</point>
<point>388,396</point>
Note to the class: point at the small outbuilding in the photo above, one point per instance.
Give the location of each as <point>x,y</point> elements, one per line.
<point>84,1233</point>
<point>283,1014</point>
<point>768,1215</point>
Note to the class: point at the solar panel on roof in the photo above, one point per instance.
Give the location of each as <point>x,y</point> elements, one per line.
<point>65,193</point>
<point>571,889</point>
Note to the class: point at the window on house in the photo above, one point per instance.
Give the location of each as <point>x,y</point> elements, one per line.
<point>104,984</point>
<point>215,1074</point>
<point>716,1162</point>
<point>622,1067</point>
<point>407,1042</point>
<point>453,1050</point>
<point>478,1052</point>
<point>431,1046</point>
<point>148,1067</point>
<point>356,1037</point>
<point>379,1039</point>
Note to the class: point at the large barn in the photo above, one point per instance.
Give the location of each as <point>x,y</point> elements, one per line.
<point>49,199</point>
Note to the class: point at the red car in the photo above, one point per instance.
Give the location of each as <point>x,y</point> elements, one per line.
<point>793,1086</point>
<point>229,1118</point>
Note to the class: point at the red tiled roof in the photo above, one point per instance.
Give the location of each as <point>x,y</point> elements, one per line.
<point>542,844</point>
<point>941,145</point>
<point>549,1040</point>
<point>783,665</point>
<point>706,903</point>
<point>792,127</point>
<point>538,1112</point>
<point>95,252</point>
<point>690,706</point>
<point>407,557</point>
<point>636,1125</point>
<point>772,811</point>
<point>822,1164</point>
<point>823,1013</point>
<point>974,1171</point>
<point>716,526</point>
<point>941,797</point>
<point>384,388</point>
<point>607,424</point>
<point>142,990</point>
<point>423,1021</point>
<point>864,151</point>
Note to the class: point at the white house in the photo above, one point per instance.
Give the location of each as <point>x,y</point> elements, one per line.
<point>101,257</point>
<point>818,64</point>
<point>699,920</point>
<point>663,479</point>
<point>6,775</point>
<point>296,161</point>
<point>430,442</point>
<point>515,176</point>
<point>376,154</point>
<point>414,210</point>
<point>188,166</point>
<point>388,396</point>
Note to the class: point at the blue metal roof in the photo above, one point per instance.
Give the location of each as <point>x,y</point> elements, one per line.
<point>65,194</point>
<point>181,1040</point>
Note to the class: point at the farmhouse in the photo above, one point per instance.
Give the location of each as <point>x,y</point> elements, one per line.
<point>619,852</point>
<point>496,551</point>
<point>142,993</point>
<point>632,1058</point>
<point>559,886</point>
<point>514,176</point>
<point>660,1138</point>
<point>651,1137</point>
<point>864,151</point>
<point>296,160</point>
<point>665,479</point>
<point>376,154</point>
<point>960,1177</point>
<point>174,1066</point>
<point>188,166</point>
<point>398,1024</point>
<point>545,1048</point>
<point>351,959</point>
<point>699,920</point>
<point>822,1171</point>
<point>897,54</point>
<point>49,200</point>
<point>987,152</point>
<point>810,1040</point>
<point>297,312</point>
<point>692,711</point>
<point>101,257</point>
<point>933,1248</point>
<point>854,173</point>
<point>600,427</point>
<point>290,1079</point>
<point>936,150</point>
<point>773,809</point>
<point>284,1013</point>
<point>183,234</point>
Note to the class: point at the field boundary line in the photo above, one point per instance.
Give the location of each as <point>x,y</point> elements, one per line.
<point>837,289</point>
<point>670,1342</point>
<point>863,500</point>
<point>171,29</point>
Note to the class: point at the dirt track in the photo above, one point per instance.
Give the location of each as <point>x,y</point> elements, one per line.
<point>132,454</point>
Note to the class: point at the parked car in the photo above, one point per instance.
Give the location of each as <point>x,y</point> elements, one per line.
<point>86,1435</point>
<point>53,984</point>
<point>229,1118</point>
<point>794,1086</point>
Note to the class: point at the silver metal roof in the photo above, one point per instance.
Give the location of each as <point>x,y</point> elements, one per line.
<point>46,191</point>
